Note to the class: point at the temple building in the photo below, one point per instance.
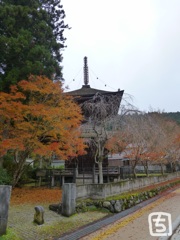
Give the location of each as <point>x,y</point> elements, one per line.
<point>85,95</point>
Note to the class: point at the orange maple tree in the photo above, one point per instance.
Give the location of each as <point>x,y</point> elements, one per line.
<point>37,117</point>
<point>117,142</point>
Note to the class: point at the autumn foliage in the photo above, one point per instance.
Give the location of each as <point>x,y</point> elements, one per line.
<point>117,143</point>
<point>147,139</point>
<point>37,118</point>
<point>35,195</point>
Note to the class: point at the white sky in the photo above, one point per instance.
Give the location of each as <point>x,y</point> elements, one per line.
<point>133,45</point>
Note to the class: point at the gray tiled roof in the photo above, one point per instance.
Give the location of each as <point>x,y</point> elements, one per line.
<point>86,90</point>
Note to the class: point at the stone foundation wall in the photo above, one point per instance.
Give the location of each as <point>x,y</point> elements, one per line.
<point>120,203</point>
<point>99,191</point>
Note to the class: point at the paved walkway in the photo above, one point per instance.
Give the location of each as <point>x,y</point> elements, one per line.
<point>176,235</point>
<point>131,224</point>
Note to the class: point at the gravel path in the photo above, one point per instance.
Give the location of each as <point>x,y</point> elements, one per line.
<point>21,221</point>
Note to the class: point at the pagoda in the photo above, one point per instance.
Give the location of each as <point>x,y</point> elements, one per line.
<point>87,94</point>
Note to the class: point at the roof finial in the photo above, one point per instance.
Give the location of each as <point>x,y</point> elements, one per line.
<point>86,73</point>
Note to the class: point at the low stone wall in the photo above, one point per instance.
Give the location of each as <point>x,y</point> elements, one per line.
<point>120,203</point>
<point>100,191</point>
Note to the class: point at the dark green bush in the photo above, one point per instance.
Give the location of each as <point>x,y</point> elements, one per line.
<point>9,164</point>
<point>29,174</point>
<point>5,179</point>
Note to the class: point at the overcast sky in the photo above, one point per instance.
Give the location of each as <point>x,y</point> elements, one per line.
<point>133,45</point>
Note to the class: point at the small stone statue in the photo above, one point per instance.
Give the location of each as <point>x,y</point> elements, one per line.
<point>39,215</point>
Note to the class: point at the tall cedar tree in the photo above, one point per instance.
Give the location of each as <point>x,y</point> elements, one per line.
<point>37,118</point>
<point>31,40</point>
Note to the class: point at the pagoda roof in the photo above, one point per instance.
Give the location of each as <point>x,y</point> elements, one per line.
<point>86,93</point>
<point>87,90</point>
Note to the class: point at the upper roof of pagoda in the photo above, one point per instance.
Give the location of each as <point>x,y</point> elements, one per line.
<point>86,92</point>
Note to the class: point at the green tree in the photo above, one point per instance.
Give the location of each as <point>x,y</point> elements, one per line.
<point>31,40</point>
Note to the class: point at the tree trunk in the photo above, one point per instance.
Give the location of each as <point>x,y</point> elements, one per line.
<point>20,162</point>
<point>147,171</point>
<point>94,174</point>
<point>134,171</point>
<point>162,169</point>
<point>146,168</point>
<point>100,172</point>
<point>16,176</point>
<point>173,167</point>
<point>1,162</point>
<point>134,163</point>
<point>40,166</point>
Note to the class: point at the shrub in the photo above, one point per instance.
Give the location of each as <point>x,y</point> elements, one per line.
<point>5,179</point>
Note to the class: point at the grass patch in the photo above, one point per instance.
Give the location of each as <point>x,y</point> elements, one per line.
<point>150,174</point>
<point>10,235</point>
